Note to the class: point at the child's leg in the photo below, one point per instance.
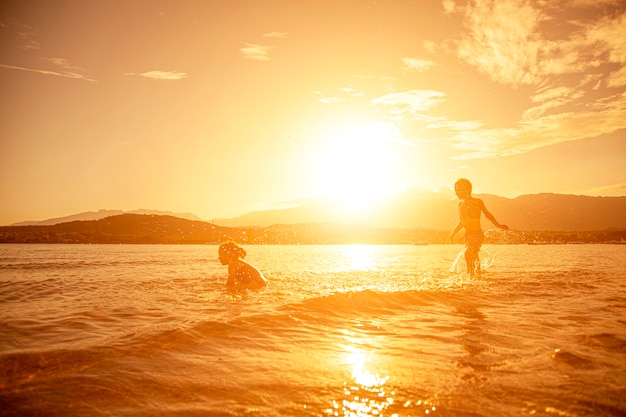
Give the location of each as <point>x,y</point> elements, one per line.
<point>471,257</point>
<point>473,242</point>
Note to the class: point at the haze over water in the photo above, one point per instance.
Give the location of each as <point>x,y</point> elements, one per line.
<point>131,330</point>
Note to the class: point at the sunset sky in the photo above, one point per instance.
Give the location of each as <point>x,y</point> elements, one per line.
<point>222,107</point>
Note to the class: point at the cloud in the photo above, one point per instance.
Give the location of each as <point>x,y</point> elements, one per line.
<point>410,103</point>
<point>430,46</point>
<point>538,128</point>
<point>26,35</point>
<point>256,52</point>
<point>346,94</point>
<point>352,92</point>
<point>551,98</point>
<point>502,40</point>
<point>64,74</point>
<point>516,43</point>
<point>419,65</point>
<point>602,118</point>
<point>575,66</point>
<point>611,34</point>
<point>332,100</point>
<point>160,75</point>
<point>595,3</point>
<point>280,35</point>
<point>617,78</point>
<point>25,39</point>
<point>448,6</point>
<point>415,109</point>
<point>617,189</point>
<point>64,64</point>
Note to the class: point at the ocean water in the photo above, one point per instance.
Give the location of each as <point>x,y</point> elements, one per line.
<point>359,330</point>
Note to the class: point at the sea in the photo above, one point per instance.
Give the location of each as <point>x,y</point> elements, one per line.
<point>341,330</point>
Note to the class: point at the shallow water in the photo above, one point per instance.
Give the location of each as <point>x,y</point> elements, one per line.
<point>132,330</point>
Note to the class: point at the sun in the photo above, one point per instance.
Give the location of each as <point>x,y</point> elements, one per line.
<point>359,165</point>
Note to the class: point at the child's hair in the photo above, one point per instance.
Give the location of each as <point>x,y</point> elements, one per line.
<point>463,184</point>
<point>231,247</point>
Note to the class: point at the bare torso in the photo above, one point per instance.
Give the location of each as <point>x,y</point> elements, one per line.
<point>244,275</point>
<point>470,210</point>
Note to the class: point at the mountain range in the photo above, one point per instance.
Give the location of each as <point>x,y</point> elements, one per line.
<point>419,209</point>
<point>101,214</point>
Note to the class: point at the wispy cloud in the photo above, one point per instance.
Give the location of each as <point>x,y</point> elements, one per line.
<point>430,46</point>
<point>449,6</point>
<point>160,75</point>
<point>64,74</point>
<point>617,78</point>
<point>603,118</point>
<point>513,41</point>
<point>65,65</point>
<point>329,100</point>
<point>577,71</point>
<point>353,92</point>
<point>610,34</point>
<point>502,40</point>
<point>256,52</point>
<point>538,128</point>
<point>346,94</point>
<point>595,3</point>
<point>27,36</point>
<point>410,103</point>
<point>419,65</point>
<point>550,98</point>
<point>280,35</point>
<point>617,189</point>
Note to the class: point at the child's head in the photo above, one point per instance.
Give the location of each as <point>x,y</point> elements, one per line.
<point>229,251</point>
<point>463,188</point>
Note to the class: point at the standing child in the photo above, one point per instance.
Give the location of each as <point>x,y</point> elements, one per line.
<point>241,275</point>
<point>470,209</point>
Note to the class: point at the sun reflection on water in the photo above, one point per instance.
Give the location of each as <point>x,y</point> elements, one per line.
<point>366,394</point>
<point>362,376</point>
<point>359,257</point>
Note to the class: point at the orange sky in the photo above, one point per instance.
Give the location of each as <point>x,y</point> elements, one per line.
<point>222,107</point>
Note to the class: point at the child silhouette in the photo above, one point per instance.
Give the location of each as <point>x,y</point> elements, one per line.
<point>241,275</point>
<point>470,210</point>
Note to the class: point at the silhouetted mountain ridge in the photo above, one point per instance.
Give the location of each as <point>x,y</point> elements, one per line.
<point>426,209</point>
<point>413,209</point>
<point>101,214</point>
<point>123,228</point>
<point>153,229</point>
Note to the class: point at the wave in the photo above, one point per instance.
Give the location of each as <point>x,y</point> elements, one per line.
<point>363,302</point>
<point>284,321</point>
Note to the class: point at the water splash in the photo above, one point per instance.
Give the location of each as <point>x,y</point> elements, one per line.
<point>486,259</point>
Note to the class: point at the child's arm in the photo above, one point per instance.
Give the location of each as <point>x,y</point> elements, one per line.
<point>458,226</point>
<point>230,282</point>
<point>454,231</point>
<point>491,218</point>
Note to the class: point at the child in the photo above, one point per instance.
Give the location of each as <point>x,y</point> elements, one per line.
<point>470,209</point>
<point>241,275</point>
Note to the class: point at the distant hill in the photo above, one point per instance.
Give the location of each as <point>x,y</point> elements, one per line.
<point>124,228</point>
<point>424,209</point>
<point>101,214</point>
<point>413,209</point>
<point>153,229</point>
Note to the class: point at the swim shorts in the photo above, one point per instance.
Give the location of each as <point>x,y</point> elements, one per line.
<point>474,239</point>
